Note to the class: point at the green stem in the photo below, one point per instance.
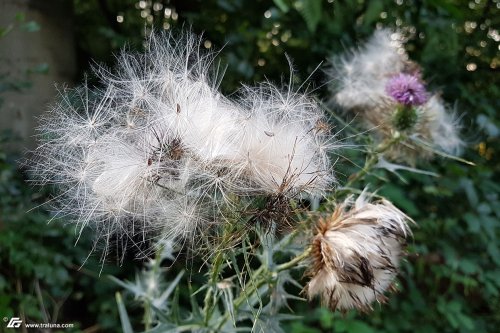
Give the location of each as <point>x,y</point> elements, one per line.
<point>261,277</point>
<point>373,158</point>
<point>148,311</point>
<point>209,300</point>
<point>215,269</point>
<point>295,261</point>
<point>147,315</point>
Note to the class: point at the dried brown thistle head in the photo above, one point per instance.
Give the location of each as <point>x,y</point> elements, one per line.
<point>356,252</point>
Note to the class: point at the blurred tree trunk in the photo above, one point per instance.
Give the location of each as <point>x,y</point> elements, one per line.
<point>34,56</point>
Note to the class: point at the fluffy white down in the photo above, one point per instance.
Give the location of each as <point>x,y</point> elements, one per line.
<point>359,77</point>
<point>157,149</point>
<point>443,126</point>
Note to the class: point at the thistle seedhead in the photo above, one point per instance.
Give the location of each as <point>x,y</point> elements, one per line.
<point>155,150</point>
<point>356,253</point>
<point>384,88</point>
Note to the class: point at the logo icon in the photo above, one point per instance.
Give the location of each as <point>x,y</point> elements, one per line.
<point>14,322</point>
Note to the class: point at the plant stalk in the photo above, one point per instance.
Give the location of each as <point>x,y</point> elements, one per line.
<point>373,158</point>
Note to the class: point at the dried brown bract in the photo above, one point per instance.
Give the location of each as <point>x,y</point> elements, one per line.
<point>356,253</point>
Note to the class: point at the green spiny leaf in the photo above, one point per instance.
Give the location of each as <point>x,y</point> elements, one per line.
<point>125,320</point>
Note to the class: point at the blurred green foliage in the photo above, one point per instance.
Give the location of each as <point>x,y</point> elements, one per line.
<point>450,281</point>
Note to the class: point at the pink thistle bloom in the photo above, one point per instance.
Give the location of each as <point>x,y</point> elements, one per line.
<point>407,90</point>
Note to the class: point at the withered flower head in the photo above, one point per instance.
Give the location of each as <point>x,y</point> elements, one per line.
<point>356,253</point>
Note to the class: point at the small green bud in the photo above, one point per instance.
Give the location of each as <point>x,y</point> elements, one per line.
<point>404,118</point>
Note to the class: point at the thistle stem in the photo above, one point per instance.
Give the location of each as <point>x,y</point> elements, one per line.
<point>209,300</point>
<point>373,158</point>
<point>153,274</point>
<point>215,269</point>
<point>261,277</point>
<point>295,261</point>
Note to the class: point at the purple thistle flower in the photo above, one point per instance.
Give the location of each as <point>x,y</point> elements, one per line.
<point>406,89</point>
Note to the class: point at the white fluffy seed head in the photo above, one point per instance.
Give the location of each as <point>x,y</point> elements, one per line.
<point>443,126</point>
<point>356,253</point>
<point>282,147</point>
<point>157,147</point>
<point>359,81</point>
<point>359,77</point>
